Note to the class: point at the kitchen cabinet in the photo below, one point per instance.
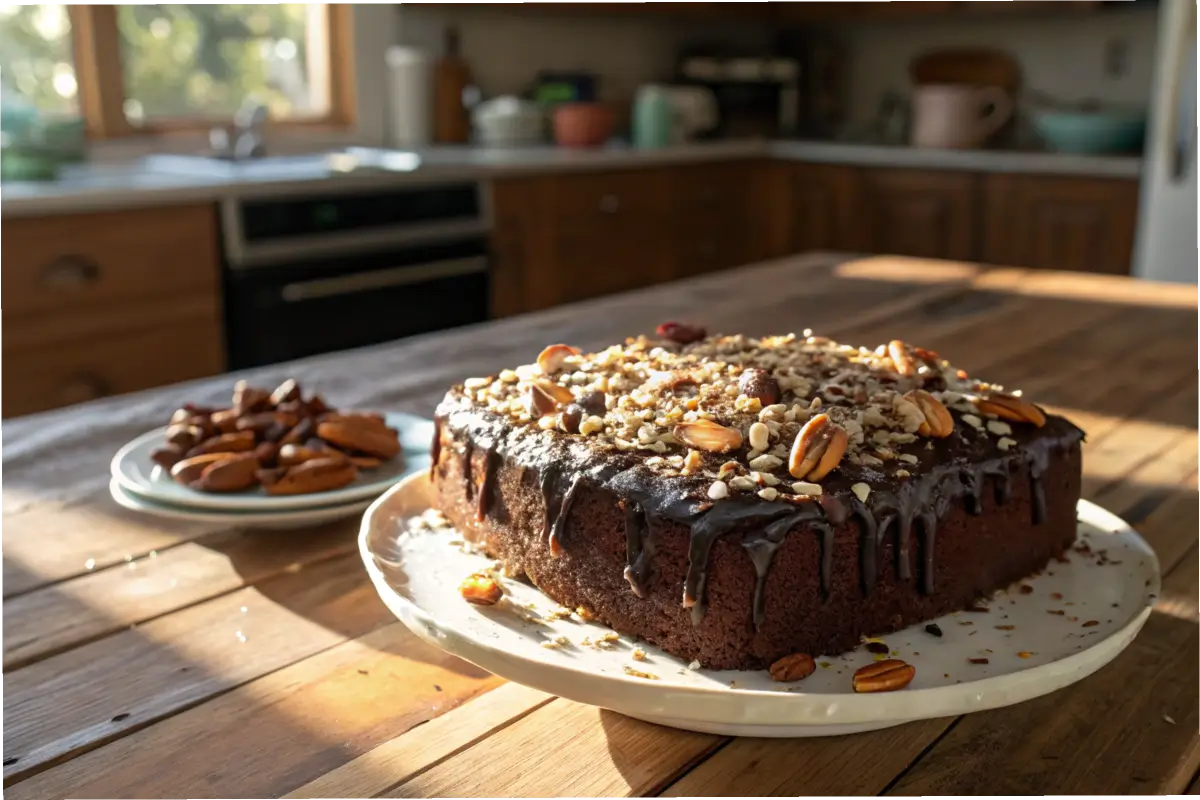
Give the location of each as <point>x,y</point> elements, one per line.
<point>105,303</point>
<point>564,238</point>
<point>919,213</point>
<point>821,202</point>
<point>1081,224</point>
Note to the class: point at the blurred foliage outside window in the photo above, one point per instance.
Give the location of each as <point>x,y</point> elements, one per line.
<point>178,61</point>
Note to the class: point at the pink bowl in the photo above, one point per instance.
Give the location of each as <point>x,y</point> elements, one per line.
<point>582,124</point>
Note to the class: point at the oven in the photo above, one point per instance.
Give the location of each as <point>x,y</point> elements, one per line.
<point>331,270</point>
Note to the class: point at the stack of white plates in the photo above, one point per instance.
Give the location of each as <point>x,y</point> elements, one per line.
<point>140,484</point>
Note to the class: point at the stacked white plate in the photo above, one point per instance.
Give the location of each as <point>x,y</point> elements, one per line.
<point>140,484</point>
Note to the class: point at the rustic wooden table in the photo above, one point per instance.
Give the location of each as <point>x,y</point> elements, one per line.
<point>151,659</point>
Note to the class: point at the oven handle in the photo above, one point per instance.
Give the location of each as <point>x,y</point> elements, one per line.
<point>384,278</point>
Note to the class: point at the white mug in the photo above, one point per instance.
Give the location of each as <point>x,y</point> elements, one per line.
<point>958,116</point>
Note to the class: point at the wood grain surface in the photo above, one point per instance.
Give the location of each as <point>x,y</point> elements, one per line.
<point>146,658</point>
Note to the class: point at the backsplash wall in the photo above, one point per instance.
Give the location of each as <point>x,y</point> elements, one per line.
<point>1060,56</point>
<point>506,48</point>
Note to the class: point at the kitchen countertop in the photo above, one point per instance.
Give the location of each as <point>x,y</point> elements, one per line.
<point>105,187</point>
<point>262,664</point>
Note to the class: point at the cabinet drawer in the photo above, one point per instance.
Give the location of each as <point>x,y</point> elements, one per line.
<point>707,191</point>
<point>84,261</point>
<point>602,198</point>
<point>41,378</point>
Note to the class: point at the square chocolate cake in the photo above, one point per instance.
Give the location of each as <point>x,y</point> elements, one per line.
<point>736,500</point>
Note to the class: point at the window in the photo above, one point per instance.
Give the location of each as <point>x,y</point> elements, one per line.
<point>154,68</point>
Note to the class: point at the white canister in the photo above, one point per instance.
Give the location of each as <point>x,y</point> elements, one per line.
<point>410,97</point>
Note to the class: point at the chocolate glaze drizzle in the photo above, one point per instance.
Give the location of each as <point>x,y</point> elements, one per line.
<point>484,499</point>
<point>468,467</point>
<point>957,472</point>
<point>639,547</point>
<point>435,448</point>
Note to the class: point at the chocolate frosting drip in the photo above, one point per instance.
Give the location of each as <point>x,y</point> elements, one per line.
<point>548,482</point>
<point>1037,458</point>
<point>762,546</point>
<point>639,547</point>
<point>435,447</point>
<point>955,470</point>
<point>718,521</point>
<point>468,467</point>
<point>558,528</point>
<point>486,489</point>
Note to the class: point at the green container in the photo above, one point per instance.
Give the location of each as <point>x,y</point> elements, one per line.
<point>1092,132</point>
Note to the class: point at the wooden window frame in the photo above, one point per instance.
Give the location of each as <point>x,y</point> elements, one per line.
<point>101,76</point>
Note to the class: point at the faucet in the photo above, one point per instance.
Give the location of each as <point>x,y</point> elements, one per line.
<point>244,139</point>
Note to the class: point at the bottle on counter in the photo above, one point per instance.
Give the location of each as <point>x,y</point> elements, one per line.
<point>451,78</point>
<point>653,116</point>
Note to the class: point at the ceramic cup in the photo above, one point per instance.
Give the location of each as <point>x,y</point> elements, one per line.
<point>958,116</point>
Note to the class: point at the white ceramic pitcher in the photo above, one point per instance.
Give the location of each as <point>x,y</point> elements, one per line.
<point>946,115</point>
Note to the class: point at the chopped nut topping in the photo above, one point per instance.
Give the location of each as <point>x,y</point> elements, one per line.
<point>999,428</point>
<point>804,487</point>
<point>718,491</point>
<point>861,491</point>
<point>768,494</point>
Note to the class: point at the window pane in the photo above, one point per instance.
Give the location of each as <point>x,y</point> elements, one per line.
<point>206,60</point>
<point>35,56</point>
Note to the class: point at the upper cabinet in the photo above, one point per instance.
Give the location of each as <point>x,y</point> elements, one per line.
<point>1081,224</point>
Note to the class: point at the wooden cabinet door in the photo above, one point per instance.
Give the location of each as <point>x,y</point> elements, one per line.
<point>1052,222</point>
<point>820,200</point>
<point>904,7</point>
<point>923,213</point>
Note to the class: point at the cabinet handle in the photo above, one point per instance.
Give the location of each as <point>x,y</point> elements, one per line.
<point>83,386</point>
<point>610,204</point>
<point>69,272</point>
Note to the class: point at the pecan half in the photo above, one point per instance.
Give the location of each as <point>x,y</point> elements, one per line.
<point>898,351</point>
<point>795,667</point>
<point>759,383</point>
<point>551,359</point>
<point>1014,409</point>
<point>884,676</point>
<point>938,421</point>
<point>480,589</point>
<point>818,448</point>
<point>709,436</point>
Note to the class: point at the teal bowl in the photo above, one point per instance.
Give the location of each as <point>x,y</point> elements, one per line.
<point>1091,132</point>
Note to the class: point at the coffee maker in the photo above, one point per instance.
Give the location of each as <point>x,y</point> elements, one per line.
<point>756,95</point>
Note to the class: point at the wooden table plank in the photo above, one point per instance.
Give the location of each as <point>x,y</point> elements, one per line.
<point>409,755</point>
<point>56,618</point>
<point>842,765</point>
<point>1135,720</point>
<point>93,694</point>
<point>565,749</point>
<point>288,727</point>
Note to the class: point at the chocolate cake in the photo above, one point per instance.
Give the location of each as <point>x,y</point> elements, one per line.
<point>735,500</point>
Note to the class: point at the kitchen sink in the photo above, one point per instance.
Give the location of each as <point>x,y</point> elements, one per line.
<point>290,167</point>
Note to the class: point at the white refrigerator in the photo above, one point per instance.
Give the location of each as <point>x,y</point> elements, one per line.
<point>1166,239</point>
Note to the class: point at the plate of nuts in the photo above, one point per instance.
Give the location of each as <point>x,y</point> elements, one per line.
<point>272,451</point>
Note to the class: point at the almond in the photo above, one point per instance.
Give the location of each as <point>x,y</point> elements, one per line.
<point>818,448</point>
<point>316,475</point>
<point>538,402</point>
<point>288,390</point>
<point>1010,408</point>
<point>898,351</point>
<point>247,399</point>
<point>551,359</point>
<point>167,456</point>
<point>938,422</point>
<point>240,442</point>
<point>183,435</point>
<point>292,454</point>
<point>225,420</point>
<point>884,676</point>
<point>709,436</point>
<point>360,438</point>
<point>300,432</point>
<point>481,590</point>
<point>795,667</point>
<point>190,469</point>
<point>232,474</point>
